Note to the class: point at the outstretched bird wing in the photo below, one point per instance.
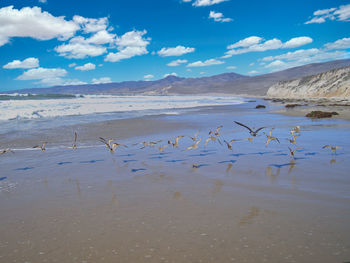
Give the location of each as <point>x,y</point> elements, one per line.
<point>259,129</point>
<point>244,126</point>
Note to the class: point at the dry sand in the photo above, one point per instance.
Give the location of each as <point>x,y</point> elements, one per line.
<point>252,204</point>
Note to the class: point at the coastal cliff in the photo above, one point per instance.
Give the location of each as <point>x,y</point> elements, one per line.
<point>332,84</point>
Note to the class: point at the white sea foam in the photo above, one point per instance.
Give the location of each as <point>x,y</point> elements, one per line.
<point>92,104</point>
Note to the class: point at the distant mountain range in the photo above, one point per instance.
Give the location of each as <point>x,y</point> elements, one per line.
<point>227,83</point>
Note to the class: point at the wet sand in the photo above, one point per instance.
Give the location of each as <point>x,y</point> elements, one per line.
<point>252,204</point>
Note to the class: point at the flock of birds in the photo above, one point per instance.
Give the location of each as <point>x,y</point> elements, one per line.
<point>214,136</point>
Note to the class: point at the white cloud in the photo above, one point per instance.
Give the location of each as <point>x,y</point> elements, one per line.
<point>170,74</point>
<point>208,62</point>
<point>186,1</point>
<point>101,37</point>
<point>177,62</point>
<point>34,23</point>
<point>78,47</point>
<point>231,67</point>
<point>47,76</point>
<point>207,2</point>
<point>27,63</point>
<point>175,51</point>
<point>72,65</point>
<point>276,63</point>
<point>60,82</point>
<point>43,1</point>
<point>256,44</point>
<point>86,67</point>
<point>147,77</point>
<point>102,80</point>
<point>339,44</point>
<point>297,42</point>
<point>90,25</point>
<point>341,13</point>
<point>302,57</point>
<point>42,73</point>
<point>218,17</point>
<point>253,72</point>
<point>247,42</point>
<point>129,45</point>
<point>252,64</point>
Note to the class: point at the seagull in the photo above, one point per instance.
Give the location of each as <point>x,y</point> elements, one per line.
<point>74,145</point>
<point>292,152</point>
<point>194,146</point>
<point>294,137</point>
<point>6,151</point>
<point>116,145</point>
<point>216,133</point>
<point>229,144</point>
<point>296,129</point>
<point>252,133</point>
<point>271,138</point>
<point>108,144</point>
<point>145,144</point>
<point>333,148</point>
<point>194,138</point>
<point>42,147</point>
<point>210,138</point>
<point>176,143</point>
<point>161,148</point>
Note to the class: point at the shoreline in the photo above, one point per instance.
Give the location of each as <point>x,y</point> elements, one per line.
<point>147,205</point>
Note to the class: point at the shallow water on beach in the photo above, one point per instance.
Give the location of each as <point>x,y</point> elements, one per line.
<point>251,204</point>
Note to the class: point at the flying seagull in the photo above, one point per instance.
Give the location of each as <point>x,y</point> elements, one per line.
<point>333,148</point>
<point>6,151</point>
<point>292,152</point>
<point>74,145</point>
<point>42,147</point>
<point>271,138</point>
<point>216,133</point>
<point>252,133</point>
<point>108,144</point>
<point>176,143</point>
<point>194,138</point>
<point>194,146</point>
<point>229,144</point>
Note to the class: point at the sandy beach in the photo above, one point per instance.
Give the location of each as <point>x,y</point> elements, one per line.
<point>249,204</point>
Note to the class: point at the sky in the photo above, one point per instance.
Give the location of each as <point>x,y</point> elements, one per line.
<point>49,42</point>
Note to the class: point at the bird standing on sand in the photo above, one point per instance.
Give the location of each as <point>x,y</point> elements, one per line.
<point>271,138</point>
<point>333,148</point>
<point>252,133</point>
<point>194,146</point>
<point>42,147</point>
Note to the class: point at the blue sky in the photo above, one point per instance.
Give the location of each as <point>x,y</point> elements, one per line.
<point>46,43</point>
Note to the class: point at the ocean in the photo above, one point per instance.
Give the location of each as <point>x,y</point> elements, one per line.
<point>21,112</point>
